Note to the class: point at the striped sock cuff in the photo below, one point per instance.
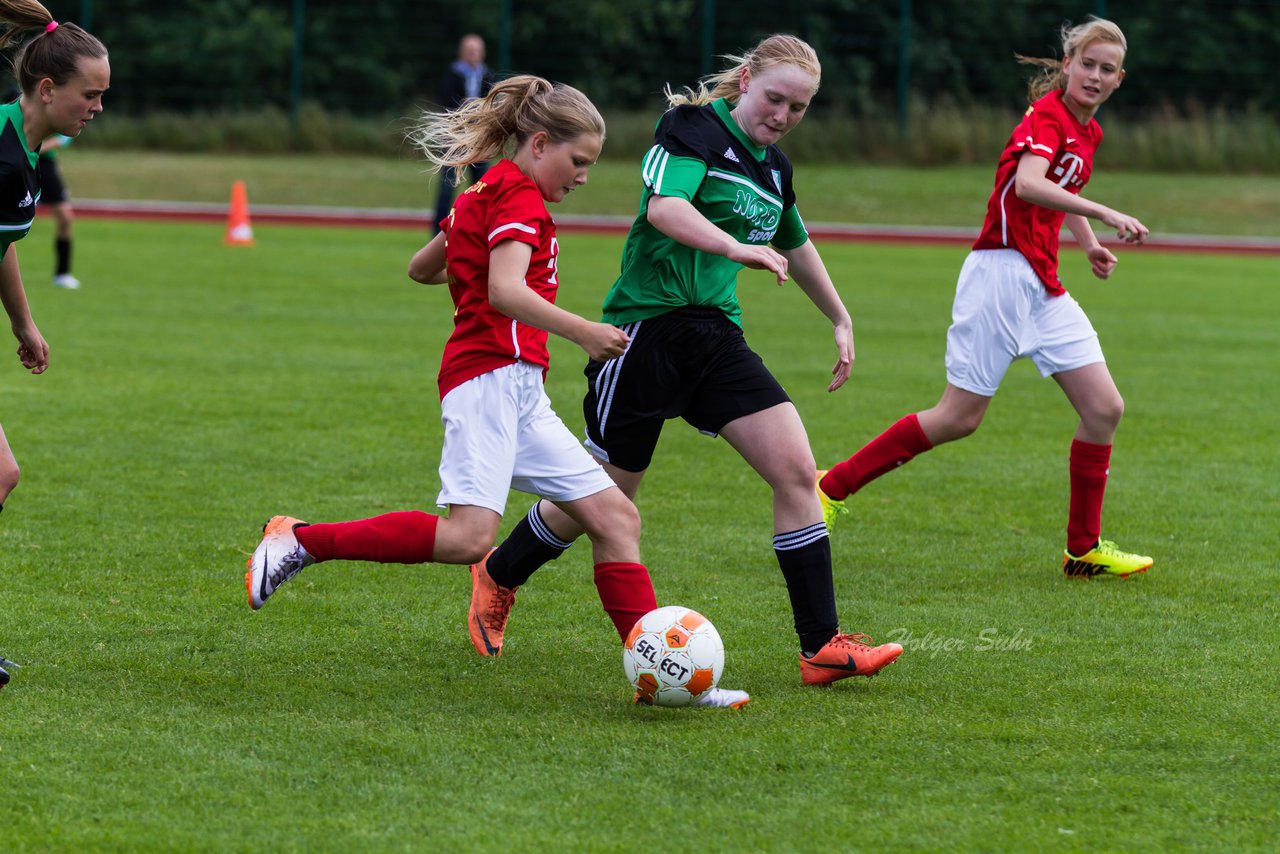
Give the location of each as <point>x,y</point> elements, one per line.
<point>792,540</point>
<point>542,532</point>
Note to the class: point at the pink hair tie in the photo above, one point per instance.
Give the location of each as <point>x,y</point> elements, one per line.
<point>51,26</point>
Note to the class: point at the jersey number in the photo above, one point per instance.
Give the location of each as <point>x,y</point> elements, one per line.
<point>551,264</point>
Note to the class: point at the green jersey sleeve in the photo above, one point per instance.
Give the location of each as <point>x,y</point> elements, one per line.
<point>665,174</point>
<point>791,231</point>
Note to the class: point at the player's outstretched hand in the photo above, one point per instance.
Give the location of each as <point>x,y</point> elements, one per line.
<point>33,352</point>
<point>844,365</point>
<point>1128,228</point>
<point>603,341</point>
<point>1102,261</point>
<point>759,258</point>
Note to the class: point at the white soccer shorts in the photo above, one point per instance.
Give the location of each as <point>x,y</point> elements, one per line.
<point>1002,313</point>
<point>500,433</point>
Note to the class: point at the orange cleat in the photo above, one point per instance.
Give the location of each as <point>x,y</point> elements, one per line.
<point>845,656</point>
<point>490,607</point>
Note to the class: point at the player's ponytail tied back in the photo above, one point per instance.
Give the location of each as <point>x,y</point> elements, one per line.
<point>478,130</point>
<point>20,17</point>
<point>54,52</point>
<point>514,104</point>
<point>512,111</point>
<point>559,110</point>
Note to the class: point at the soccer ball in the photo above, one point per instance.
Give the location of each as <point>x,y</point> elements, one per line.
<point>673,656</point>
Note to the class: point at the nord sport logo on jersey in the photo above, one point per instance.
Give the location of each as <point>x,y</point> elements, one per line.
<point>762,215</point>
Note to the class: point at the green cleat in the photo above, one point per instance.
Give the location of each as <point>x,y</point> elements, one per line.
<point>830,507</point>
<point>1104,559</point>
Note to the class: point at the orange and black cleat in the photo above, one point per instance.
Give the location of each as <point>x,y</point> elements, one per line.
<point>847,655</point>
<point>490,608</point>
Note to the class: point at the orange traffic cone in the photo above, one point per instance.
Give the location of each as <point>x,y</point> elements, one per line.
<point>239,232</point>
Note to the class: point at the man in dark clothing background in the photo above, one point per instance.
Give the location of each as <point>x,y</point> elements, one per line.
<point>468,77</point>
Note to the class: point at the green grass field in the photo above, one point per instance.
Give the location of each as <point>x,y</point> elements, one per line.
<point>197,389</point>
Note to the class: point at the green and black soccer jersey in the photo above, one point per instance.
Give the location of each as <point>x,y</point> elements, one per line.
<point>701,154</point>
<point>19,183</point>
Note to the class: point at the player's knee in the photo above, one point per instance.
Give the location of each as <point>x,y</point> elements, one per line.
<point>955,423</point>
<point>966,424</point>
<point>619,523</point>
<point>1103,415</point>
<point>9,475</point>
<point>625,524</point>
<point>464,540</point>
<point>1113,410</point>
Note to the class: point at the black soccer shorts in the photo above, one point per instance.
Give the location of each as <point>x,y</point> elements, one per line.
<point>692,363</point>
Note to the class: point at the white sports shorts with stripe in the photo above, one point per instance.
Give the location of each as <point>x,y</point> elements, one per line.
<point>691,363</point>
<point>1001,313</point>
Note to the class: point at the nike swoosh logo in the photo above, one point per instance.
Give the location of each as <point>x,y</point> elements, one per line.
<point>262,586</point>
<point>493,650</point>
<point>848,666</point>
<point>1070,140</point>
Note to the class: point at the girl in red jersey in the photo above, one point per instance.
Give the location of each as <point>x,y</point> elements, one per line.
<point>498,252</point>
<point>1010,303</point>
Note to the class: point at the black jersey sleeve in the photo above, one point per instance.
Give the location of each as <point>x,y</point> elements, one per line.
<point>690,131</point>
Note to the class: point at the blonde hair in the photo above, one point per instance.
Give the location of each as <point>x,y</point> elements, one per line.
<point>54,53</point>
<point>513,110</point>
<point>1074,40</point>
<point>777,49</point>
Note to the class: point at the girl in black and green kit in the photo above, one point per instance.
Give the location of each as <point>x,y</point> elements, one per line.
<point>62,73</point>
<point>718,197</point>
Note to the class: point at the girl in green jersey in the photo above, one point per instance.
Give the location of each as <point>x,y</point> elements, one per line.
<point>62,73</point>
<point>718,197</point>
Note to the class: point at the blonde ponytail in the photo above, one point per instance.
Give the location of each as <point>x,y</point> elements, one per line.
<point>514,110</point>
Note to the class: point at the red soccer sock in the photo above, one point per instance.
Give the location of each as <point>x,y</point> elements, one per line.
<point>1089,466</point>
<point>408,536</point>
<point>626,592</point>
<point>892,448</point>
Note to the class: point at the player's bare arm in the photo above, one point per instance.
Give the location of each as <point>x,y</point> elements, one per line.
<point>811,275</point>
<point>428,264</point>
<point>1101,260</point>
<point>1033,185</point>
<point>33,352</point>
<point>508,264</point>
<point>680,220</point>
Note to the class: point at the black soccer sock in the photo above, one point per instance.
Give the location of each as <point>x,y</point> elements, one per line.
<point>805,559</point>
<point>62,248</point>
<point>529,546</point>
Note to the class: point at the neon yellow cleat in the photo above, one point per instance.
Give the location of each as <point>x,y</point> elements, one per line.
<point>1104,559</point>
<point>830,507</point>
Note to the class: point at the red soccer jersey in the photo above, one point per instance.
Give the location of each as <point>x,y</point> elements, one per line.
<point>1047,130</point>
<point>503,205</point>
